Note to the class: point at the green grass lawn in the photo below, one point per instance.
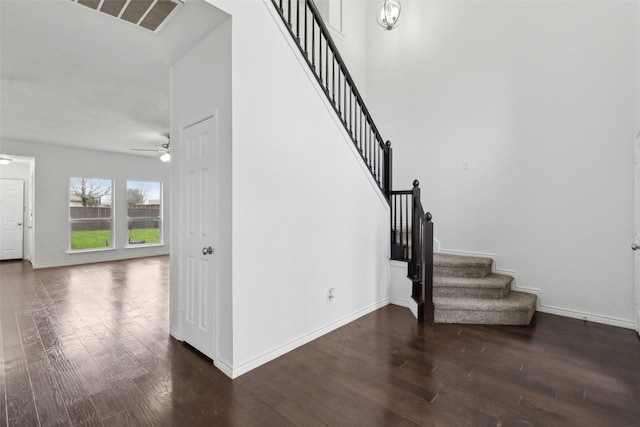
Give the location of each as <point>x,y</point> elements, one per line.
<point>149,235</point>
<point>94,239</point>
<point>97,239</point>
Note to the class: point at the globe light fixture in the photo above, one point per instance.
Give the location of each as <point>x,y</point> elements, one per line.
<point>165,157</point>
<point>5,160</point>
<point>388,14</point>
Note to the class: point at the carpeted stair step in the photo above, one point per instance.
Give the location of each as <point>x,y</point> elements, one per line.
<point>461,266</point>
<point>516,308</point>
<point>491,286</point>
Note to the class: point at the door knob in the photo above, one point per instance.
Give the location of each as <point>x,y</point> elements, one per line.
<point>207,251</point>
<point>635,247</point>
<point>19,223</point>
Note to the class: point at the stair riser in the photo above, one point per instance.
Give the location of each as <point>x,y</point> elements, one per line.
<point>484,317</point>
<point>494,293</point>
<point>462,271</point>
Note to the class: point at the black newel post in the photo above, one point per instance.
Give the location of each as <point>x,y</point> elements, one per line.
<point>387,170</point>
<point>427,270</point>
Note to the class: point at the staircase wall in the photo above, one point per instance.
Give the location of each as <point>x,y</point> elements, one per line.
<point>536,98</point>
<point>306,214</point>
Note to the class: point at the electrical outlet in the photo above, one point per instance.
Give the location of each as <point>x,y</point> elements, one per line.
<point>465,165</point>
<point>331,294</point>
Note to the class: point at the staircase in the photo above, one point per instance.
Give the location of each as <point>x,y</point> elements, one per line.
<point>466,291</point>
<point>446,288</point>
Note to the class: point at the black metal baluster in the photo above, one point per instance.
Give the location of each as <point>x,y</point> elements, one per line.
<point>345,99</point>
<point>326,64</point>
<point>361,127</point>
<point>298,21</point>
<point>381,163</point>
<point>378,172</point>
<point>376,151</point>
<point>359,111</point>
<point>407,215</point>
<point>369,139</point>
<point>346,103</point>
<point>313,45</point>
<point>319,73</point>
<point>351,110</point>
<point>339,94</point>
<point>367,154</point>
<point>395,220</point>
<point>306,12</point>
<point>289,12</point>
<point>372,147</point>
<point>401,225</point>
<point>333,78</point>
<point>280,6</point>
<point>354,118</point>
<point>374,155</point>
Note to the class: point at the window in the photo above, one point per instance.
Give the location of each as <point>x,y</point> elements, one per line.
<point>90,213</point>
<point>144,212</point>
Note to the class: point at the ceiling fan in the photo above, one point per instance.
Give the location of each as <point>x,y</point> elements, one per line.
<point>163,150</point>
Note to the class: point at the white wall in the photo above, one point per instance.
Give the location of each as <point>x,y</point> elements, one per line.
<point>353,38</point>
<point>306,215</point>
<point>537,98</point>
<point>55,165</point>
<point>201,86</point>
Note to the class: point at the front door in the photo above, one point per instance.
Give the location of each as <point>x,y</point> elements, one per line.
<point>11,218</point>
<point>198,165</point>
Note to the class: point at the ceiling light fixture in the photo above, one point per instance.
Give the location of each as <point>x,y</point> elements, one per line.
<point>5,160</point>
<point>388,14</point>
<point>165,157</point>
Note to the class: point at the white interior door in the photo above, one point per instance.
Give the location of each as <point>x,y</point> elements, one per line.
<point>11,218</point>
<point>636,230</point>
<point>198,166</point>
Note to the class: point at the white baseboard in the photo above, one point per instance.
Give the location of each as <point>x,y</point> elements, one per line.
<point>224,365</point>
<point>400,302</point>
<point>174,333</point>
<point>72,260</point>
<point>559,311</point>
<point>243,368</point>
<point>589,317</point>
<point>407,303</point>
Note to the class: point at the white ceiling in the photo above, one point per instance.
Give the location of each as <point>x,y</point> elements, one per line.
<point>73,76</point>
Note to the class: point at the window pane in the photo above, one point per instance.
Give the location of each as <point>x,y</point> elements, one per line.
<point>144,211</point>
<point>144,231</point>
<point>90,234</point>
<point>90,213</point>
<point>90,192</point>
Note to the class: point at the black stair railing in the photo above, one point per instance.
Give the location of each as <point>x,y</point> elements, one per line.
<point>412,241</point>
<point>411,228</point>
<point>306,26</point>
<point>401,216</point>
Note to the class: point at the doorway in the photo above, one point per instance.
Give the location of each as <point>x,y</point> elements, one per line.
<point>636,231</point>
<point>18,208</point>
<point>11,218</point>
<point>197,242</point>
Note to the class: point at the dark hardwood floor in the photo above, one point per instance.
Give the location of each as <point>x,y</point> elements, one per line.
<point>89,345</point>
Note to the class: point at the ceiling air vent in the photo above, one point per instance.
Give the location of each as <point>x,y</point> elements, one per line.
<point>149,14</point>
